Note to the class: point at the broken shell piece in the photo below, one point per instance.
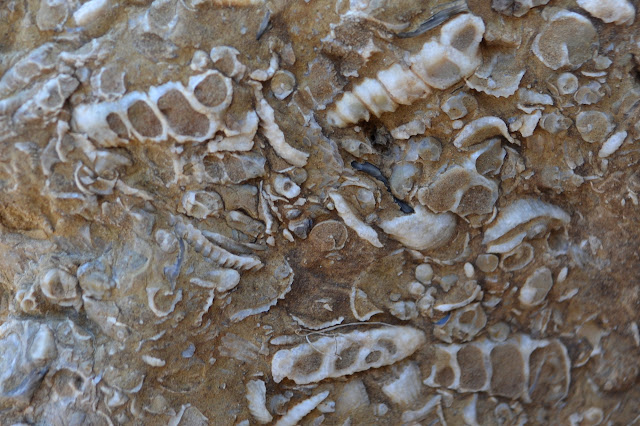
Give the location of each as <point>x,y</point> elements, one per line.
<point>620,12</point>
<point>257,397</point>
<point>274,135</point>
<point>516,8</point>
<point>351,397</point>
<point>518,368</point>
<point>461,191</point>
<point>517,258</point>
<point>282,84</point>
<point>345,354</point>
<point>589,94</point>
<point>90,11</point>
<point>594,126</point>
<point>108,83</point>
<point>569,39</point>
<point>403,177</point>
<point>166,240</point>
<point>463,325</point>
<point>612,144</point>
<point>285,186</point>
<point>363,230</point>
<point>222,280</point>
<point>412,128</point>
<point>499,77</point>
<point>421,230</point>
<point>300,410</point>
<point>404,310</point>
<point>459,105</point>
<point>487,262</point>
<point>405,389</point>
<point>59,287</point>
<point>225,59</point>
<point>489,157</point>
<point>536,288</point>
<point>462,295</point>
<point>523,218</point>
<point>359,302</point>
<point>201,204</point>
<point>480,130</point>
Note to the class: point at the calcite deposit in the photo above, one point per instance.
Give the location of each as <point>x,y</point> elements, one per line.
<point>338,212</point>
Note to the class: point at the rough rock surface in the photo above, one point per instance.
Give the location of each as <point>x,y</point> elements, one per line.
<point>319,212</point>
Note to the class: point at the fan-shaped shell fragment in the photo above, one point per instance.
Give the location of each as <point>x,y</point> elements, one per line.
<point>568,40</point>
<point>346,354</point>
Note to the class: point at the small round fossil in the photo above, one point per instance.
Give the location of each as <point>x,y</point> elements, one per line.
<point>282,84</point>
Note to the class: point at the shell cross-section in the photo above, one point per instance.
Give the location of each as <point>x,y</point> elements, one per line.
<point>440,64</point>
<point>186,114</point>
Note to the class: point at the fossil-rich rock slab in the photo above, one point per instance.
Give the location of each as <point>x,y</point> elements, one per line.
<point>322,212</point>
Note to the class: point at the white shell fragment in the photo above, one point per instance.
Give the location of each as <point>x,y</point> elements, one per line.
<point>257,398</point>
<point>523,218</point>
<point>480,130</point>
<point>275,136</point>
<point>620,12</point>
<point>439,65</point>
<point>90,11</point>
<point>406,388</point>
<point>345,354</point>
<point>535,289</point>
<point>421,230</point>
<point>300,410</point>
<point>363,230</point>
<point>612,144</point>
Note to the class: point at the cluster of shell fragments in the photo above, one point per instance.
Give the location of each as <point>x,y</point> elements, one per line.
<point>338,212</point>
